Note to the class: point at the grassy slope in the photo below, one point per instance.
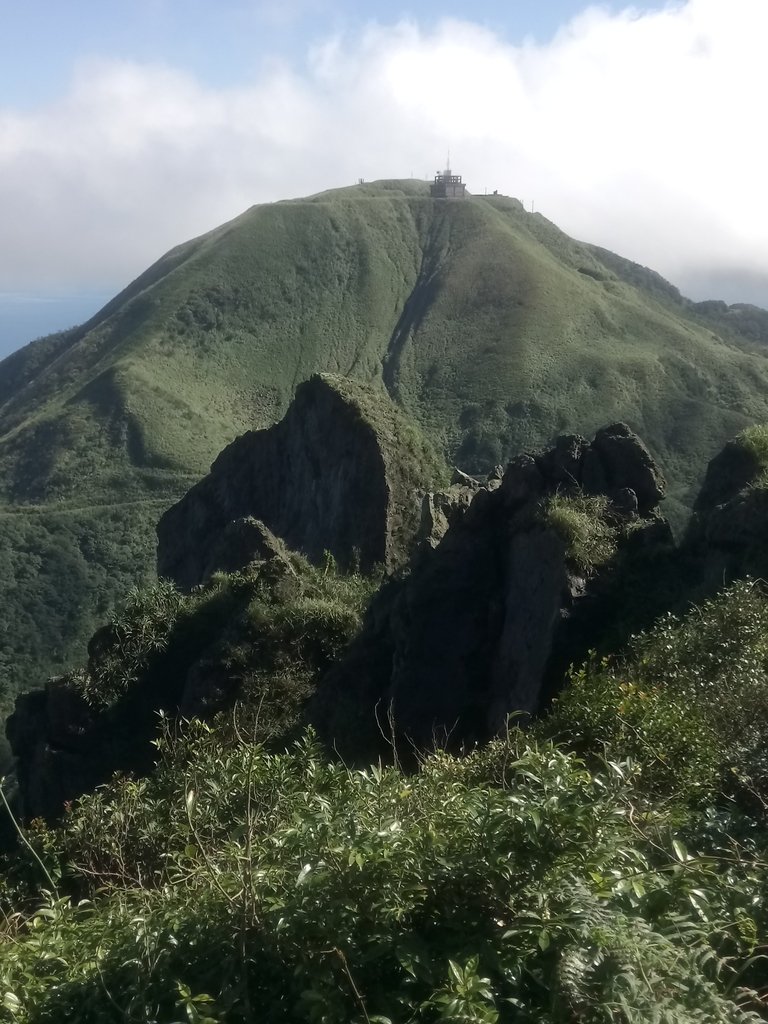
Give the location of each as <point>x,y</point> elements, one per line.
<point>488,324</point>
<point>521,343</point>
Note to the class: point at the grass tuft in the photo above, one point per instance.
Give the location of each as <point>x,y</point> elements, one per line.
<point>755,441</point>
<point>580,521</point>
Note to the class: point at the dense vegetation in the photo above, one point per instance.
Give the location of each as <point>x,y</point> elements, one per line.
<point>264,634</point>
<point>489,326</point>
<point>605,864</point>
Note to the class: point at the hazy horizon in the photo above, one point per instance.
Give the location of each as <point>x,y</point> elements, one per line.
<point>26,316</point>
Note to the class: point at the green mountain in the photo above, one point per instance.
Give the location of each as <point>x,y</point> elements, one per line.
<point>492,328</point>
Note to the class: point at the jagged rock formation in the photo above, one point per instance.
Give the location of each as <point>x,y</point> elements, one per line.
<point>340,473</point>
<point>239,543</point>
<point>727,534</point>
<point>344,472</point>
<point>512,579</point>
<point>496,604</point>
<point>500,602</point>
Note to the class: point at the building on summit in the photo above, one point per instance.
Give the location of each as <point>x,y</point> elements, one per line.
<point>447,185</point>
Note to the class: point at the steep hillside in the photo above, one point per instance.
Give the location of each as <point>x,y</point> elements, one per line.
<point>492,328</point>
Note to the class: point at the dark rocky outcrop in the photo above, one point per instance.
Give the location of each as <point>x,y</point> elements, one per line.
<point>496,608</point>
<point>64,747</point>
<point>76,732</point>
<point>511,580</point>
<point>618,461</point>
<point>729,473</point>
<point>241,542</point>
<point>728,533</point>
<point>492,608</point>
<point>339,473</point>
<point>440,509</point>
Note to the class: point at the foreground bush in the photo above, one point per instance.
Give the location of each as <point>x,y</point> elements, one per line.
<point>512,885</point>
<point>607,867</point>
<point>688,701</point>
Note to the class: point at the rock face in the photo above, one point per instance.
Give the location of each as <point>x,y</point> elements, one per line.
<point>494,608</point>
<point>339,473</point>
<point>727,535</point>
<point>241,542</point>
<point>728,474</point>
<point>618,462</point>
<point>342,472</point>
<point>64,748</point>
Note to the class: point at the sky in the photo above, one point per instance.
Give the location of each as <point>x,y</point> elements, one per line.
<point>126,128</point>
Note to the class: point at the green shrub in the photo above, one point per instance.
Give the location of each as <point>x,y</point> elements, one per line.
<point>689,700</point>
<point>604,710</point>
<point>137,633</point>
<point>514,885</point>
<point>264,634</point>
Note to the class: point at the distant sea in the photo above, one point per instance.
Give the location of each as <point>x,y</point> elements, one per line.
<point>25,316</point>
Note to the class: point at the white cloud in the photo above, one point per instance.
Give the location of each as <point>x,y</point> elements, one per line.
<point>643,133</point>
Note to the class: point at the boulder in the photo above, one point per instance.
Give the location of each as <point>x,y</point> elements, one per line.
<point>462,479</point>
<point>439,509</point>
<point>620,461</point>
<point>562,464</point>
<point>625,501</point>
<point>241,542</point>
<point>523,481</point>
<point>64,747</point>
